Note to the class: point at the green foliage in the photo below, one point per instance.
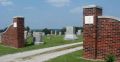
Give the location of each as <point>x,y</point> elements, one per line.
<point>78,28</point>
<point>110,58</point>
<point>1,30</point>
<point>4,29</point>
<point>46,31</point>
<point>29,41</point>
<point>27,28</point>
<point>63,30</point>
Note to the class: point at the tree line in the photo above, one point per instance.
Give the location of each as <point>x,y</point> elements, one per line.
<point>47,30</point>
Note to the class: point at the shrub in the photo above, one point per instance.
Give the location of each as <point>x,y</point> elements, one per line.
<point>110,58</point>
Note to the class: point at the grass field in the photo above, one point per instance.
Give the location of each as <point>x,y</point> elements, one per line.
<point>71,57</point>
<point>49,42</point>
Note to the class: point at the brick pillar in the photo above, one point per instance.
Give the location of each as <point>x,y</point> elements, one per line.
<point>90,14</point>
<point>14,35</point>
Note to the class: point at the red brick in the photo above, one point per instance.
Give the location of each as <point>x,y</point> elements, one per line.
<point>14,36</point>
<point>102,37</point>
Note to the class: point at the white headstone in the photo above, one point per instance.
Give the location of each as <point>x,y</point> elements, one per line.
<point>0,37</point>
<point>51,32</point>
<point>29,34</point>
<point>55,32</point>
<point>43,33</point>
<point>25,34</point>
<point>79,32</point>
<point>70,33</point>
<point>37,38</point>
<point>60,33</point>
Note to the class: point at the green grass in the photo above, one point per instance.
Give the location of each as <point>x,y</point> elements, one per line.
<point>49,42</point>
<point>71,57</point>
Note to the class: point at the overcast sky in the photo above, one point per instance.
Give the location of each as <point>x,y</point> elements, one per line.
<point>52,13</point>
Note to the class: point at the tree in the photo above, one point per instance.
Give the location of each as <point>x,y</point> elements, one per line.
<point>46,31</point>
<point>63,30</point>
<point>81,29</point>
<point>27,28</point>
<point>5,29</point>
<point>1,30</point>
<point>76,29</point>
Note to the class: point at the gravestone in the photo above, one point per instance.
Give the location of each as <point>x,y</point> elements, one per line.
<point>79,32</point>
<point>29,34</point>
<point>55,32</point>
<point>60,33</point>
<point>0,37</point>
<point>70,33</point>
<point>43,33</point>
<point>25,34</point>
<point>37,38</point>
<point>51,32</point>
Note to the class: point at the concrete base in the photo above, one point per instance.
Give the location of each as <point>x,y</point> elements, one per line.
<point>38,43</point>
<point>70,37</point>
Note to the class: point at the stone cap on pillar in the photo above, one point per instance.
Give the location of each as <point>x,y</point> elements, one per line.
<point>92,6</point>
<point>110,17</point>
<point>18,17</point>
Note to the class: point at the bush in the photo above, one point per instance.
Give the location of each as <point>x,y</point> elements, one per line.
<point>29,41</point>
<point>110,58</point>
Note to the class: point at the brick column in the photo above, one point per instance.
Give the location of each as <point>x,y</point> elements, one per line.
<point>90,14</point>
<point>14,35</point>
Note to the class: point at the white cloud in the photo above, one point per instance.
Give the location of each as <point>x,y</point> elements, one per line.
<point>59,3</point>
<point>6,2</point>
<point>76,10</point>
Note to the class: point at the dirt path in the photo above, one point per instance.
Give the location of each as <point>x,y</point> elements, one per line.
<point>47,56</point>
<point>35,56</point>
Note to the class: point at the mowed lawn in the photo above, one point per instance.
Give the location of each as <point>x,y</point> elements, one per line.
<point>71,57</point>
<point>50,41</point>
